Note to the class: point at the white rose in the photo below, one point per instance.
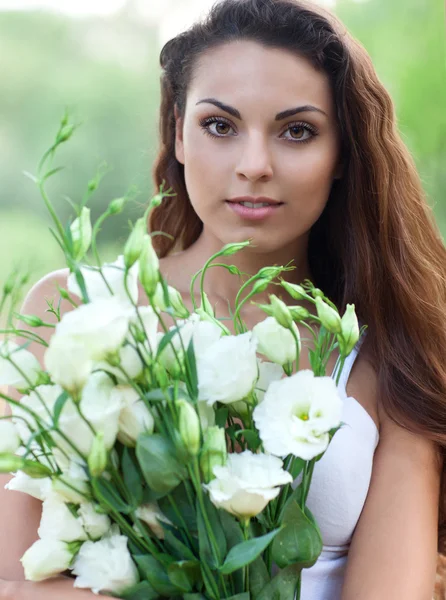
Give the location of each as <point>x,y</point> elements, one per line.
<point>227,371</point>
<point>58,523</point>
<point>245,485</point>
<point>25,371</point>
<point>9,437</point>
<point>101,326</point>
<point>135,418</point>
<point>268,372</point>
<point>297,413</point>
<point>37,488</point>
<point>151,515</point>
<point>276,342</point>
<point>45,559</point>
<point>114,275</point>
<point>67,363</point>
<point>96,524</point>
<point>105,565</point>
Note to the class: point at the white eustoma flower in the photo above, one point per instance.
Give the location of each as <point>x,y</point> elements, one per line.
<point>276,342</point>
<point>114,275</point>
<point>72,485</point>
<point>100,326</point>
<point>67,362</point>
<point>45,559</point>
<point>227,371</point>
<point>96,524</point>
<point>9,437</point>
<point>25,370</point>
<point>135,418</point>
<point>268,372</point>
<point>297,413</point>
<point>37,488</point>
<point>58,523</point>
<point>105,565</point>
<point>245,485</point>
<point>151,515</point>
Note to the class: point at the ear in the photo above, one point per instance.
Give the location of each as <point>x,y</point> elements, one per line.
<point>179,145</point>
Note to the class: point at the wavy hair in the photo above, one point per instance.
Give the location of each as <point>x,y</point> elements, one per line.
<point>376,243</point>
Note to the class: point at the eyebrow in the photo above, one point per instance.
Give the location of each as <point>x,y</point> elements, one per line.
<point>279,117</point>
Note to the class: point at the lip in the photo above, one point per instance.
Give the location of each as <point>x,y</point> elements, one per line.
<point>253,214</point>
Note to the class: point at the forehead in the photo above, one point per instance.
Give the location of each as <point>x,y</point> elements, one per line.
<point>244,71</point>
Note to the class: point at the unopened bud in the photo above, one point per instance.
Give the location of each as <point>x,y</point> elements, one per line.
<point>135,242</point>
<point>230,249</point>
<point>64,134</point>
<point>214,452</point>
<point>299,313</point>
<point>35,469</point>
<point>175,301</point>
<point>156,201</point>
<point>81,233</point>
<point>97,459</point>
<point>317,293</point>
<point>206,305</point>
<point>281,312</point>
<point>349,335</point>
<point>189,426</point>
<point>260,285</point>
<point>270,272</point>
<point>295,291</point>
<point>161,375</point>
<point>31,320</point>
<point>148,267</point>
<point>116,206</point>
<point>8,286</point>
<point>329,317</point>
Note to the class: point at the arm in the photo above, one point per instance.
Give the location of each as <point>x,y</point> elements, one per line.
<point>20,513</point>
<point>394,548</point>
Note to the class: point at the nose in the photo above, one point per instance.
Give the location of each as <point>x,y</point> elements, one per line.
<point>255,161</point>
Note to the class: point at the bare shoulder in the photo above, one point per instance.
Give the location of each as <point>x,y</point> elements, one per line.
<point>363,385</point>
<point>45,288</point>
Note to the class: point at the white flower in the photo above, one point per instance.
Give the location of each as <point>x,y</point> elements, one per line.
<point>72,485</point>
<point>68,363</point>
<point>135,418</point>
<point>151,515</point>
<point>105,565</point>
<point>297,413</point>
<point>114,275</point>
<point>81,232</point>
<point>58,523</point>
<point>26,368</point>
<point>150,322</point>
<point>9,437</point>
<point>45,559</point>
<point>276,342</point>
<point>206,414</point>
<point>99,326</point>
<point>37,488</point>
<point>245,485</point>
<point>227,371</point>
<point>95,523</point>
<point>268,372</point>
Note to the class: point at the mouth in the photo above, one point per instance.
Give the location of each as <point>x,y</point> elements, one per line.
<point>254,208</point>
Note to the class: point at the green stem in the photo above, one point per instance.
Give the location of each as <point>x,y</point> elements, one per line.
<point>245,529</point>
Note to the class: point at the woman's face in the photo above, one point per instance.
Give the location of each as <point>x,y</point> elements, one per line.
<point>233,142</point>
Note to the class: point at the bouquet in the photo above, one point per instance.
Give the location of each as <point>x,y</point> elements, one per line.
<point>172,455</point>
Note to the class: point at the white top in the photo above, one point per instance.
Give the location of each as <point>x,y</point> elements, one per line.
<point>338,491</point>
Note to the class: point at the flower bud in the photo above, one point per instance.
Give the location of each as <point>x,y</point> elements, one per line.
<point>35,469</point>
<point>135,242</point>
<point>207,306</point>
<point>9,436</point>
<point>156,201</point>
<point>97,459</point>
<point>31,320</point>
<point>317,293</point>
<point>299,313</point>
<point>281,312</point>
<point>329,317</point>
<point>349,335</point>
<point>269,272</point>
<point>148,267</point>
<point>65,133</point>
<point>260,285</point>
<point>8,286</point>
<point>81,233</point>
<point>116,206</point>
<point>213,453</point>
<point>189,426</point>
<point>10,463</point>
<point>161,375</point>
<point>175,300</point>
<point>230,249</point>
<point>295,291</point>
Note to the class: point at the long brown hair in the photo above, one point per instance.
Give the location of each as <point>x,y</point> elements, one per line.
<point>376,243</point>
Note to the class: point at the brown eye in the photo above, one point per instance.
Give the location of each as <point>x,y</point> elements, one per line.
<point>221,128</point>
<point>300,132</point>
<point>217,127</point>
<point>297,132</point>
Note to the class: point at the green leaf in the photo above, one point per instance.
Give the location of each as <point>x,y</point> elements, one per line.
<point>258,576</point>
<point>184,574</point>
<point>60,403</point>
<point>194,597</point>
<point>297,466</point>
<point>243,596</point>
<point>156,575</point>
<point>140,591</point>
<point>156,457</point>
<point>176,547</point>
<point>234,536</point>
<point>247,551</point>
<point>207,553</point>
<point>166,339</point>
<point>191,371</point>
<point>221,416</point>
<point>180,498</point>
<point>282,586</point>
<point>299,542</point>
<point>132,476</point>
<point>156,395</point>
<point>251,437</point>
<point>106,493</point>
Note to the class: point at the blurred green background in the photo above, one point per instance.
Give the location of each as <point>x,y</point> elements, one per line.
<point>105,70</point>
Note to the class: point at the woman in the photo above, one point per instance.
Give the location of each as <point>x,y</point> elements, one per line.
<point>301,154</point>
